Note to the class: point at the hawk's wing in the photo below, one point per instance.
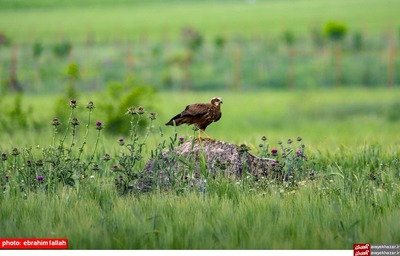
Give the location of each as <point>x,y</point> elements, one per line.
<point>195,110</point>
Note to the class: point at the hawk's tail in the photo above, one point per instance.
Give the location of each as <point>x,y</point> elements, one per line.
<point>178,119</point>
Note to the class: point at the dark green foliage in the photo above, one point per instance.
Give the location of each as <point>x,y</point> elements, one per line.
<point>62,49</point>
<point>288,37</point>
<point>37,49</point>
<point>219,42</point>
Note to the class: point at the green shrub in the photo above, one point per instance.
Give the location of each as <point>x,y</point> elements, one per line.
<point>335,31</point>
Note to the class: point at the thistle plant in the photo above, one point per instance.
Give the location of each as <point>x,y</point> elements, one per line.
<point>49,168</point>
<point>289,163</point>
<point>130,157</point>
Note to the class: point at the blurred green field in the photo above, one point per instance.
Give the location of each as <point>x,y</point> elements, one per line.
<point>158,19</point>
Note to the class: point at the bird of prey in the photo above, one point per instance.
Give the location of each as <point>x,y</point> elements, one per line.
<point>199,114</point>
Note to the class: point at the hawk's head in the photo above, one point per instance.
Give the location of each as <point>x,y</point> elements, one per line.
<point>216,101</point>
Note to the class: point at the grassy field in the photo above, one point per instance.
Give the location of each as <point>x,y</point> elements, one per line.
<point>77,179</point>
<point>129,21</point>
<point>354,197</point>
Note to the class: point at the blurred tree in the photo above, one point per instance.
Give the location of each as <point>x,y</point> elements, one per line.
<point>317,37</point>
<point>73,76</point>
<point>289,39</point>
<point>391,75</point>
<point>13,83</point>
<point>336,32</point>
<point>193,41</point>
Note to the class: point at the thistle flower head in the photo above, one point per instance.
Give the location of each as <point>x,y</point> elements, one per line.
<point>181,139</point>
<point>299,138</point>
<point>274,152</point>
<point>289,141</point>
<point>299,152</point>
<point>140,110</point>
<point>263,138</point>
<point>4,156</point>
<point>121,141</point>
<point>73,104</point>
<point>99,125</point>
<point>39,178</point>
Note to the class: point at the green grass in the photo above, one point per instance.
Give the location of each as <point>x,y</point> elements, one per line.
<point>159,19</point>
<point>316,216</point>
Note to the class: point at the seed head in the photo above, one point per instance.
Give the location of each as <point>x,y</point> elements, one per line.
<point>4,156</point>
<point>95,167</point>
<point>289,141</point>
<point>55,122</point>
<point>131,111</point>
<point>244,148</point>
<point>152,116</point>
<point>39,162</point>
<point>15,152</point>
<point>75,121</point>
<point>106,157</point>
<point>90,105</point>
<point>299,138</point>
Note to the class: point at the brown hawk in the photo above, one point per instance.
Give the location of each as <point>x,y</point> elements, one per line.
<point>199,114</point>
